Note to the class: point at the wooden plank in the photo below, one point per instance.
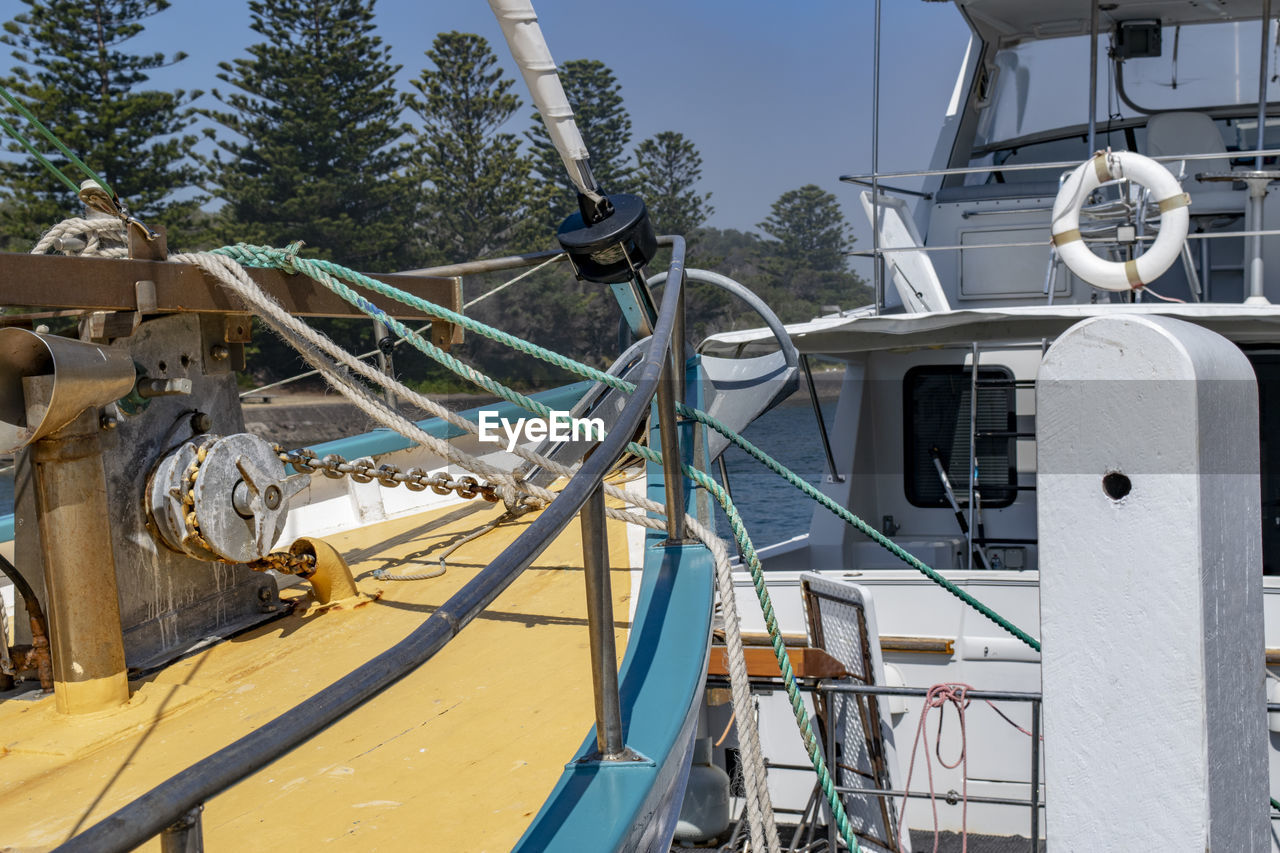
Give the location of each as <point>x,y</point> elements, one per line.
<point>917,645</point>
<point>100,284</point>
<point>760,638</point>
<point>807,662</point>
<point>888,642</point>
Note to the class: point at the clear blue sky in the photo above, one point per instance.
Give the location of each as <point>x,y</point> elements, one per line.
<point>775,95</point>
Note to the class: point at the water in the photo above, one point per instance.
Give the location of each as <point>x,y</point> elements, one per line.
<point>771,507</point>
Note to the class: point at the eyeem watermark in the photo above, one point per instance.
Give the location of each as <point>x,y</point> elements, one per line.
<point>560,427</point>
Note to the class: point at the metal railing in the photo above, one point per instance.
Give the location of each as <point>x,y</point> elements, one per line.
<point>508,262</point>
<point>1033,803</point>
<point>866,179</point>
<point>172,808</point>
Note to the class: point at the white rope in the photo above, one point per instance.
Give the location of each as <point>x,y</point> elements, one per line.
<point>92,232</point>
<point>482,297</point>
<point>314,347</point>
<point>312,344</point>
<point>760,819</point>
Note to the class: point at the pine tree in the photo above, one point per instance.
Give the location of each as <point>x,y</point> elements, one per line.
<point>596,98</point>
<point>477,183</point>
<point>805,267</point>
<point>75,74</point>
<point>810,229</point>
<point>320,155</point>
<point>668,168</point>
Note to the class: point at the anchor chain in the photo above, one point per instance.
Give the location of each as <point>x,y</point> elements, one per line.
<point>286,563</point>
<point>334,467</point>
<point>362,471</point>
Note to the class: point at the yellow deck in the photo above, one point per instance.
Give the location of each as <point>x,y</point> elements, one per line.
<point>457,756</point>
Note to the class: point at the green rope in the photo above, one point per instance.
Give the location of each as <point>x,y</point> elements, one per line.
<point>57,143</point>
<point>752,560</point>
<point>40,158</point>
<point>332,275</point>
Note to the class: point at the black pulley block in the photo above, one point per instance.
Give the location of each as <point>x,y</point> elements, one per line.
<point>612,249</point>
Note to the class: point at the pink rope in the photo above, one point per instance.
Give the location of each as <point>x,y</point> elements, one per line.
<point>939,696</point>
<point>1005,717</point>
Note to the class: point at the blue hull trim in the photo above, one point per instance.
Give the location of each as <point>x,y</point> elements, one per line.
<point>634,806</point>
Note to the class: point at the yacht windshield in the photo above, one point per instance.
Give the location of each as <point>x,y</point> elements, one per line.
<point>1038,86</point>
<point>1036,103</point>
<point>1203,66</point>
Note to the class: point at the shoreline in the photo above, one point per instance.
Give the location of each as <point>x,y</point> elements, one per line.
<point>300,419</point>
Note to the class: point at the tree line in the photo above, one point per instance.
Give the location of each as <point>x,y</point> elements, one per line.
<point>309,139</point>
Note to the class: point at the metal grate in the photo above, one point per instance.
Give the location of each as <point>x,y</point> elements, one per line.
<point>858,737</point>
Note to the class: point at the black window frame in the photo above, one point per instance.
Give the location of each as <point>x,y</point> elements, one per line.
<point>993,495</point>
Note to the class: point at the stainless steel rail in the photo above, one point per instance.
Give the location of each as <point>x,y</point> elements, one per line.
<point>171,803</point>
<point>831,686</point>
<point>510,262</point>
<point>882,187</point>
<point>1035,699</point>
<point>1037,167</point>
<point>1023,244</point>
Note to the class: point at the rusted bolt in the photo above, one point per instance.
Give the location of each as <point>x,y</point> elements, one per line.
<point>108,422</point>
<point>219,352</point>
<point>271,496</point>
<point>201,422</point>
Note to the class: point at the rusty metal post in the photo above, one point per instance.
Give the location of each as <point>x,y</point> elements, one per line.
<point>80,572</point>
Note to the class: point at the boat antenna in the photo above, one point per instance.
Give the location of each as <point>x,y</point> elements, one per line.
<point>610,237</point>
<point>529,48</point>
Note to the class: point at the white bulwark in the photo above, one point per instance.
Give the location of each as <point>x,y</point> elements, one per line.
<point>1151,590</point>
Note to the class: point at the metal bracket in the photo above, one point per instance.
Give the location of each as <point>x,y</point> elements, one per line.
<point>627,758</point>
<point>238,329</point>
<point>154,249</point>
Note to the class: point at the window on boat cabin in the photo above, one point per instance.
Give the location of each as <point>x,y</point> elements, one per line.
<point>937,417</point>
<point>1266,366</point>
<point>1036,111</point>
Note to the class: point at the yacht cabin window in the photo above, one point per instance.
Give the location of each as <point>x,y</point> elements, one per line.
<point>937,417</point>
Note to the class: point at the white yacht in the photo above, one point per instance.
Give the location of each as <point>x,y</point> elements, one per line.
<point>983,258</point>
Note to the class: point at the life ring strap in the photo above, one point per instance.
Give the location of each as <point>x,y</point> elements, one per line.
<point>1173,202</point>
<point>1066,237</point>
<point>1100,167</point>
<point>1131,273</point>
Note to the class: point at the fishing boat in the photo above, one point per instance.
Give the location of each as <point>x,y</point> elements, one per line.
<point>418,637</point>
<point>423,637</point>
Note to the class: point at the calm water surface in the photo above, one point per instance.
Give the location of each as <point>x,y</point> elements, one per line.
<point>771,507</point>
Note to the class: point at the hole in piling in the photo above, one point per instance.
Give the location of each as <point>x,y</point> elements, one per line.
<point>1116,485</point>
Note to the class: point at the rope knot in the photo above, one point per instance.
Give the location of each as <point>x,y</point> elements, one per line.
<point>289,256</point>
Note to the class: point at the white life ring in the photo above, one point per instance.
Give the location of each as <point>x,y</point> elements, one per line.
<point>1088,176</point>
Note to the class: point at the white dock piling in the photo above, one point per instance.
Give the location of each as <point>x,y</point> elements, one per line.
<point>1151,590</point>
